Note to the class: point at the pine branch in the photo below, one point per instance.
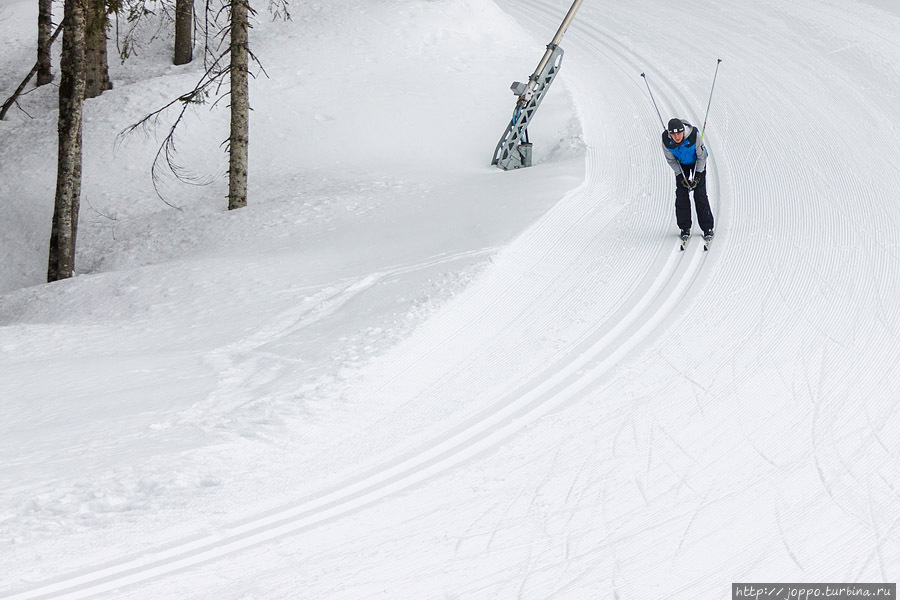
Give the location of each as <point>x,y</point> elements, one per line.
<point>165,154</point>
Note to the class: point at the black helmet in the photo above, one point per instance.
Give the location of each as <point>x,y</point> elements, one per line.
<point>675,126</point>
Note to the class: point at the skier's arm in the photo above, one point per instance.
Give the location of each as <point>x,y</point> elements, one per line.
<point>701,157</point>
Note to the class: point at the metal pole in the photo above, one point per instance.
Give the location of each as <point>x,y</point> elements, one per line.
<point>703,132</point>
<point>566,22</point>
<point>529,91</point>
<point>680,166</point>
<point>654,100</point>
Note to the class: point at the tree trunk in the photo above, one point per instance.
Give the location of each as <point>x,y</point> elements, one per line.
<point>96,61</point>
<point>184,26</point>
<point>240,106</point>
<point>45,24</point>
<point>68,174</point>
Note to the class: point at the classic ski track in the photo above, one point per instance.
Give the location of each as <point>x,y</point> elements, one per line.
<point>579,367</point>
<point>802,255</point>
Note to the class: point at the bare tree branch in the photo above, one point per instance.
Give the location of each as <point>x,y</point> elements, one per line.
<point>15,96</point>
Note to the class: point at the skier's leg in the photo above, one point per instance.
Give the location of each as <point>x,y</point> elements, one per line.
<point>682,207</point>
<point>704,212</point>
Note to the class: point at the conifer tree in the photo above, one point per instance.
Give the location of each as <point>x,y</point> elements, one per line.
<point>96,56</point>
<point>68,174</point>
<point>184,25</point>
<point>45,25</point>
<point>240,106</point>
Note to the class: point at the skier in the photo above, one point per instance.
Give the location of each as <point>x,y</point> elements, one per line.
<point>687,157</point>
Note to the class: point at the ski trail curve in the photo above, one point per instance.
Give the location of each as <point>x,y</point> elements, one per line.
<point>554,271</point>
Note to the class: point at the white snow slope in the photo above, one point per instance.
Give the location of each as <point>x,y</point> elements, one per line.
<point>401,373</point>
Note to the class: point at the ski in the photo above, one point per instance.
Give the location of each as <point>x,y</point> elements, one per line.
<point>684,242</point>
<point>707,240</point>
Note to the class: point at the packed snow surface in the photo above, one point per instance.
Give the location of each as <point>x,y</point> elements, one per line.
<point>402,373</point>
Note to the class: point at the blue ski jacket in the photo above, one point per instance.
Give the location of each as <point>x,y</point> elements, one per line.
<point>690,151</point>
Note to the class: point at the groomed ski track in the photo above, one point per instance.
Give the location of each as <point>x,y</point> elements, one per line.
<point>553,314</point>
<point>548,275</point>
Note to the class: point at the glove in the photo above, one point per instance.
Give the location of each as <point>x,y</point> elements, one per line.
<point>697,180</point>
<point>680,180</point>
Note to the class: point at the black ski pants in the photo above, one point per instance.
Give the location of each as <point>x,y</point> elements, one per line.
<point>683,202</point>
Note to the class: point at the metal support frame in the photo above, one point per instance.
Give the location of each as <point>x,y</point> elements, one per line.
<point>514,151</point>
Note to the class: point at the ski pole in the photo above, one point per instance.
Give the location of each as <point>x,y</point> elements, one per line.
<point>703,132</point>
<point>644,75</point>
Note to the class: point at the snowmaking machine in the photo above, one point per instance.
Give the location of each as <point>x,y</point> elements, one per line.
<point>514,150</point>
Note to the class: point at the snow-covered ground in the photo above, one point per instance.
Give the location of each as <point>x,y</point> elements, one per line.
<point>401,373</point>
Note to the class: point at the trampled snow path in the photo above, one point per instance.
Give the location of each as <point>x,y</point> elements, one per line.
<point>796,326</point>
